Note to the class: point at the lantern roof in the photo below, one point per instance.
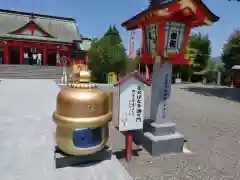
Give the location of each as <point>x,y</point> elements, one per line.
<point>135,74</point>
<point>164,8</point>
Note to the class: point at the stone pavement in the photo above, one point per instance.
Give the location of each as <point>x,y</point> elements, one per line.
<point>26,136</point>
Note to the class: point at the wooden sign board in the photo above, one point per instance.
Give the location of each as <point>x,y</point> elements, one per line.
<point>129,104</point>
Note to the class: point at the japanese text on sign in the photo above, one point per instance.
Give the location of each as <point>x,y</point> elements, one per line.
<point>139,104</point>
<point>131,108</point>
<point>135,104</point>
<point>165,96</point>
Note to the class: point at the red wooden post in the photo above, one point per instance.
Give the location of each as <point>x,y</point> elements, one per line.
<point>45,56</point>
<point>6,55</point>
<point>128,146</point>
<point>85,58</point>
<point>21,55</point>
<point>68,56</point>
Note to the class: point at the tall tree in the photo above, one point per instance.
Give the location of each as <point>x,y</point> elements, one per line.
<point>198,51</point>
<point>114,35</point>
<point>109,31</point>
<point>231,50</point>
<point>106,55</point>
<point>203,47</point>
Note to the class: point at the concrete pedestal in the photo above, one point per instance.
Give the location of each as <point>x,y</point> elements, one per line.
<point>162,138</point>
<point>159,135</point>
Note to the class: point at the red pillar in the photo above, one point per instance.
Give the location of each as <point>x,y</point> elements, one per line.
<point>6,55</point>
<point>128,146</point>
<point>21,55</point>
<point>68,56</point>
<point>44,56</point>
<point>144,43</point>
<point>85,58</point>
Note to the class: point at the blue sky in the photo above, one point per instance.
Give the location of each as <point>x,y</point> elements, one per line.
<point>95,16</point>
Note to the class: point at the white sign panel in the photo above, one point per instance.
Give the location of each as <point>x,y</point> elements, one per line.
<point>131,107</point>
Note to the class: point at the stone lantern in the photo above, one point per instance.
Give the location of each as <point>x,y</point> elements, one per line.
<point>166,25</point>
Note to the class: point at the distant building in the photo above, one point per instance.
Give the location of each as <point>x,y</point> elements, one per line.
<point>25,35</point>
<point>236,76</point>
<point>236,71</point>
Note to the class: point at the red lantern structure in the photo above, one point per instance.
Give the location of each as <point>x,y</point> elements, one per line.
<point>165,26</point>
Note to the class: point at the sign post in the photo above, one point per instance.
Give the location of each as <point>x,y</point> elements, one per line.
<point>130,107</point>
<point>128,146</point>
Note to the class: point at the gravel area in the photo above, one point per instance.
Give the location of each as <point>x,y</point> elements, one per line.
<point>209,118</point>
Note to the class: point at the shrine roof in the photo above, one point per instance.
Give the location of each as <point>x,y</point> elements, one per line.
<point>62,29</point>
<point>162,4</point>
<point>32,38</point>
<point>134,74</point>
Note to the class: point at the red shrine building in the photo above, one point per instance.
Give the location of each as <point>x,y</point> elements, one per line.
<point>28,36</point>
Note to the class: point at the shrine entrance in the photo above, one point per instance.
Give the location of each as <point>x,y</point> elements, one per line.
<point>1,56</point>
<point>51,58</point>
<point>20,52</point>
<point>30,55</point>
<point>14,55</point>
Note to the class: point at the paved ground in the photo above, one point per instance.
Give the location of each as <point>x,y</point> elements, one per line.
<point>26,136</point>
<point>209,117</point>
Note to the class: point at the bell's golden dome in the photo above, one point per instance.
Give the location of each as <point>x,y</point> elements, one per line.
<point>82,115</point>
<point>82,103</point>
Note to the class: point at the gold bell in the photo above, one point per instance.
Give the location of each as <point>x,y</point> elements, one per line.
<point>82,116</point>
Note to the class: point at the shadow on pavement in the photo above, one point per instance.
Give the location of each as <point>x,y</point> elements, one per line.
<point>121,154</point>
<point>63,160</point>
<point>221,92</point>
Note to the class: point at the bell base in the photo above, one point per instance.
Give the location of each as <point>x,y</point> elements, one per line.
<point>65,160</point>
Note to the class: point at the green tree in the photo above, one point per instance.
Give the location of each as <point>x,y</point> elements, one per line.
<point>191,53</point>
<point>106,56</point>
<point>202,45</point>
<point>230,56</point>
<point>220,66</point>
<point>186,70</point>
<point>114,35</point>
<point>211,66</point>
<point>109,31</point>
<point>231,51</point>
<point>198,51</point>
